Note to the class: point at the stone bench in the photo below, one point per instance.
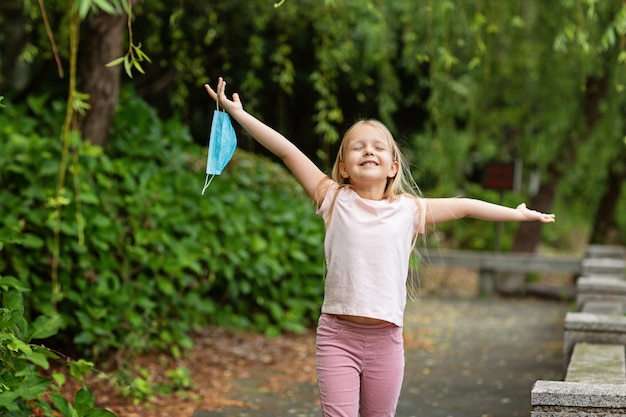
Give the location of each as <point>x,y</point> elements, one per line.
<point>593,363</point>
<point>570,399</point>
<point>592,328</point>
<point>594,385</point>
<point>601,303</point>
<point>604,307</point>
<point>603,266</point>
<point>491,264</point>
<point>605,251</point>
<point>600,289</point>
<point>594,354</point>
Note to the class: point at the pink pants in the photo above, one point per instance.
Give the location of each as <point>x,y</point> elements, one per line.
<point>359,368</point>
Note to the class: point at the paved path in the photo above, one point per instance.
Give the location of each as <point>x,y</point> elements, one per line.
<point>465,358</point>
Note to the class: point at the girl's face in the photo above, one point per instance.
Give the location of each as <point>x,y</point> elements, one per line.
<point>368,156</point>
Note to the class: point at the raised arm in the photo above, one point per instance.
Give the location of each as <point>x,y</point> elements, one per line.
<point>444,209</point>
<point>305,171</point>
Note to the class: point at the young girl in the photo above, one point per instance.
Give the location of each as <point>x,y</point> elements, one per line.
<point>371,222</point>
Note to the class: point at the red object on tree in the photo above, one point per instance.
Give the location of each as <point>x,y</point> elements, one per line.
<point>499,176</point>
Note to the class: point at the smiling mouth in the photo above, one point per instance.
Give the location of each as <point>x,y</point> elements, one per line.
<point>369,163</point>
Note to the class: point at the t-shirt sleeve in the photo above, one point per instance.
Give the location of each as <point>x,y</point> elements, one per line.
<point>324,208</point>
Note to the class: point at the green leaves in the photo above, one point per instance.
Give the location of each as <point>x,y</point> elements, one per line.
<point>157,259</point>
<point>83,406</point>
<point>83,7</point>
<point>44,327</point>
<point>11,312</point>
<point>80,104</point>
<point>21,389</point>
<point>133,59</point>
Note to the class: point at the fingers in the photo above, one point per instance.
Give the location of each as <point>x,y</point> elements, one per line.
<point>219,94</point>
<point>549,218</point>
<point>221,88</point>
<point>537,215</point>
<point>209,90</point>
<point>545,217</point>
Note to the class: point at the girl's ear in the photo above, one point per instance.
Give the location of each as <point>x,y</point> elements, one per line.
<point>395,167</point>
<point>342,170</point>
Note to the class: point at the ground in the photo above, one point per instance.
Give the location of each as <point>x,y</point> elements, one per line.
<point>218,358</point>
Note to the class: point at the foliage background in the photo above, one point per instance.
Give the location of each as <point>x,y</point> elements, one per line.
<point>146,258</point>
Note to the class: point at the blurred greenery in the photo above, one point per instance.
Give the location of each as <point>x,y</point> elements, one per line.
<point>460,83</point>
<point>156,259</point>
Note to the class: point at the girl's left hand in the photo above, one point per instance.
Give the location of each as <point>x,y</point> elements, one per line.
<point>219,95</point>
<point>535,215</point>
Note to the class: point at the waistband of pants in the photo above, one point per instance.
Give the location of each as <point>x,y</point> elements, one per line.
<point>378,328</point>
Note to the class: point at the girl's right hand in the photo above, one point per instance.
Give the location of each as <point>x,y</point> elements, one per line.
<point>534,215</point>
<point>220,97</point>
<point>305,171</point>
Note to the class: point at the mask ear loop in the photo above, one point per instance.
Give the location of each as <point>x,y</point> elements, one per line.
<point>207,180</point>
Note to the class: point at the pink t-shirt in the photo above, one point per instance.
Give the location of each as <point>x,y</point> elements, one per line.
<point>367,246</point>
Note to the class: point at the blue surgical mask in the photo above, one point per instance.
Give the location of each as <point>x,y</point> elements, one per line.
<point>222,144</point>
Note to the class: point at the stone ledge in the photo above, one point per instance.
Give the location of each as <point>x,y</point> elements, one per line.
<point>592,328</point>
<point>600,284</point>
<point>591,412</point>
<point>597,364</point>
<point>603,307</point>
<point>605,251</point>
<point>576,396</point>
<point>600,288</point>
<point>595,322</point>
<point>603,266</point>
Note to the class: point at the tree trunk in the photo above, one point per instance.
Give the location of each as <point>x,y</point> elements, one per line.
<point>528,234</point>
<point>15,72</point>
<point>604,219</point>
<point>101,43</point>
<point>527,238</point>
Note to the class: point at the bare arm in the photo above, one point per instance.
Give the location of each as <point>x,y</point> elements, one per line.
<point>305,171</point>
<point>444,209</point>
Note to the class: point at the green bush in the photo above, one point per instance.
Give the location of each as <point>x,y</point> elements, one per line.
<point>23,389</point>
<point>143,257</point>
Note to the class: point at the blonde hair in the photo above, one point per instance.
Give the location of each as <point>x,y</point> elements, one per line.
<point>401,184</point>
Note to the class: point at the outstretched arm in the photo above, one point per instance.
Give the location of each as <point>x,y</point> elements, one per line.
<point>305,171</point>
<point>444,209</point>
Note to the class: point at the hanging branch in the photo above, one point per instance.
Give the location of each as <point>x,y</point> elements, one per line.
<point>55,52</point>
<point>134,56</point>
